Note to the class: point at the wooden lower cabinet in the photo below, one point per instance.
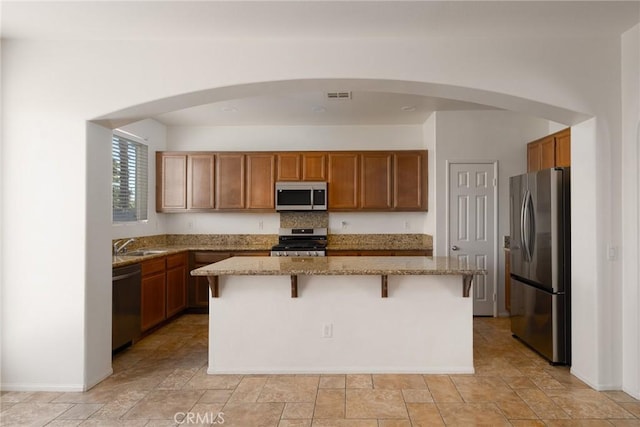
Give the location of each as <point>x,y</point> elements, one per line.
<point>163,289</point>
<point>177,266</point>
<point>198,289</point>
<point>153,293</point>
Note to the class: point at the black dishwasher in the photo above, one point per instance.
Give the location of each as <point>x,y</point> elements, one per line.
<point>126,305</point>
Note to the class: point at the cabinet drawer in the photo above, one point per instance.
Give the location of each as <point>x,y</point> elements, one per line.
<point>152,266</point>
<point>176,260</point>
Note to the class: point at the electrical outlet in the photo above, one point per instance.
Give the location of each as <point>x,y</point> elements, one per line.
<point>327,330</point>
<point>407,225</point>
<point>260,225</point>
<point>343,224</point>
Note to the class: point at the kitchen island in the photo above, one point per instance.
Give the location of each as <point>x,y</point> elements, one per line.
<point>340,314</point>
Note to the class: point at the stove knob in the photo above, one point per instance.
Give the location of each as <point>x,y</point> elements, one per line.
<point>307,253</point>
<point>296,254</point>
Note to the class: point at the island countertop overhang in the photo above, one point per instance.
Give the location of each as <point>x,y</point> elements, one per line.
<point>338,265</point>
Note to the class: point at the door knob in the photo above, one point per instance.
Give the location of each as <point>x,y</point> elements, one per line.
<point>454,248</point>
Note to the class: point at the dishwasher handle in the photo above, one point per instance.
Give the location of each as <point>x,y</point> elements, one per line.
<point>125,276</point>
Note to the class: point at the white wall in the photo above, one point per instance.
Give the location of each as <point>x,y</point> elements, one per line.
<point>631,210</point>
<point>484,136</point>
<point>429,138</point>
<point>152,134</point>
<point>274,138</point>
<point>50,91</point>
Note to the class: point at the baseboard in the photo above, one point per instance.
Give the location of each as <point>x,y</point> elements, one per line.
<point>597,387</point>
<point>101,378</point>
<point>339,371</point>
<point>42,387</point>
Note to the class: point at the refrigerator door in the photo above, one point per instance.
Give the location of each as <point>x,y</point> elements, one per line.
<point>544,228</point>
<point>539,319</point>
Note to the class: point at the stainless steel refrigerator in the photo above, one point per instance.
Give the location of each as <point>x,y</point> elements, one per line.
<point>541,262</point>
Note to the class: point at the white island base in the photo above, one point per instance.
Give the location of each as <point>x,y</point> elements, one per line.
<point>340,324</point>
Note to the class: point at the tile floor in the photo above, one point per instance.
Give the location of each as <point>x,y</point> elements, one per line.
<point>162,381</point>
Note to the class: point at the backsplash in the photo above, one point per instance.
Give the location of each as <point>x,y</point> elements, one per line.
<point>304,219</point>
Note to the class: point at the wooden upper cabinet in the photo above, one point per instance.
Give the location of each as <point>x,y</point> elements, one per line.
<point>314,166</point>
<point>200,181</point>
<point>534,157</point>
<point>563,148</point>
<point>547,153</point>
<point>261,181</point>
<point>343,182</point>
<point>230,183</point>
<point>551,151</point>
<point>410,180</point>
<point>289,167</point>
<point>298,166</point>
<point>375,180</point>
<point>171,182</point>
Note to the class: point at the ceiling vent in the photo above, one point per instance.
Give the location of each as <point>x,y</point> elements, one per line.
<point>339,95</point>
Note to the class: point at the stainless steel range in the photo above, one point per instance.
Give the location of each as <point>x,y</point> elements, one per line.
<point>301,242</point>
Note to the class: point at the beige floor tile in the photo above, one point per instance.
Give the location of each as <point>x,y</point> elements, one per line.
<point>398,381</point>
<point>177,379</point>
<point>424,414</point>
<point>298,410</point>
<point>330,403</point>
<point>202,413</point>
<point>242,414</point>
<point>359,381</point>
<point>466,414</point>
<point>619,396</point>
<point>541,404</point>
<point>376,403</point>
<point>394,423</point>
<point>114,423</point>
<point>295,423</point>
<point>32,413</point>
<point>332,381</point>
<point>81,411</point>
<point>527,423</point>
<point>632,407</point>
<point>578,423</point>
<point>412,395</point>
<point>121,404</point>
<point>344,423</point>
<point>519,382</point>
<point>625,423</point>
<point>203,381</point>
<point>215,396</point>
<point>588,404</point>
<point>164,404</point>
<point>65,423</point>
<point>442,388</point>
<point>248,390</point>
<point>290,388</point>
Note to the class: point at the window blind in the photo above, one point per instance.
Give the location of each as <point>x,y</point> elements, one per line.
<point>130,180</point>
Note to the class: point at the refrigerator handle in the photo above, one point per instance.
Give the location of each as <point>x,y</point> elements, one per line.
<point>531,240</point>
<point>524,227</point>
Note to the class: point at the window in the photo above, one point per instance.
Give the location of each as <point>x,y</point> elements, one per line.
<point>129,184</point>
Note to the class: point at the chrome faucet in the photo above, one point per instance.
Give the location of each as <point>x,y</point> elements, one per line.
<point>121,248</point>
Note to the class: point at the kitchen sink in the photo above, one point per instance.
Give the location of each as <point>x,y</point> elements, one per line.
<point>144,252</point>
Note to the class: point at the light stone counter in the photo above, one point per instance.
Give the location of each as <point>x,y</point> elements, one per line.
<point>339,322</point>
<point>337,265</point>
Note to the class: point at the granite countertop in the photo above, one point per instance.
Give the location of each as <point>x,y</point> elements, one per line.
<point>338,265</point>
<point>122,260</point>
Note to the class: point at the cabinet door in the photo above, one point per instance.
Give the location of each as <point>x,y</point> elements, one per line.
<point>261,181</point>
<point>171,182</point>
<point>153,300</point>
<point>289,167</point>
<point>410,190</point>
<point>314,166</point>
<point>548,153</point>
<point>343,181</point>
<point>563,148</point>
<point>177,265</point>
<point>230,185</point>
<point>375,181</point>
<point>200,181</point>
<point>534,156</point>
<point>199,293</point>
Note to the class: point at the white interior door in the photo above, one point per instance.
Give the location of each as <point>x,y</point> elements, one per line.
<point>472,227</point>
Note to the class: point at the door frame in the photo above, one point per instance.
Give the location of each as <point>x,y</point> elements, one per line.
<point>448,164</point>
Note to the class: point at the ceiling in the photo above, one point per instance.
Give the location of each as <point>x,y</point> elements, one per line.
<point>306,19</point>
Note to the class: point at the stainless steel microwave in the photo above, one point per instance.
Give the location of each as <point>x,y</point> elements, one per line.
<point>301,196</point>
